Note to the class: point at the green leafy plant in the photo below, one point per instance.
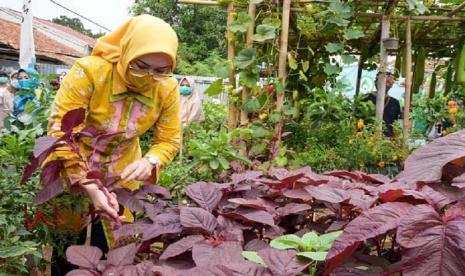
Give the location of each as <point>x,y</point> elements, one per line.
<point>310,246</point>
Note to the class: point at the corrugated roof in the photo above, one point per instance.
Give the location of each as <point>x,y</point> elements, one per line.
<point>68,30</point>
<point>10,36</point>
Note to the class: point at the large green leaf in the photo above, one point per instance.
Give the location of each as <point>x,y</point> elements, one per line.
<point>326,240</point>
<point>348,59</point>
<point>310,240</point>
<point>316,256</point>
<point>248,78</point>
<point>353,34</point>
<point>331,69</point>
<point>25,118</point>
<point>291,61</point>
<point>252,105</point>
<point>253,257</point>
<point>245,58</point>
<point>286,242</point>
<point>223,69</point>
<point>240,24</point>
<point>215,88</point>
<point>214,164</point>
<point>333,47</point>
<point>264,32</point>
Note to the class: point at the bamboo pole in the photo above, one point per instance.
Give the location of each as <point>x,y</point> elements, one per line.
<point>249,44</point>
<point>282,64</point>
<point>232,112</point>
<point>408,79</point>
<point>381,84</point>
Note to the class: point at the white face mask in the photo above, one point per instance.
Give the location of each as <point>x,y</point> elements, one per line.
<point>15,84</point>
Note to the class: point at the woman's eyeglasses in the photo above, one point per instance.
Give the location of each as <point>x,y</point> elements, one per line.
<point>159,74</point>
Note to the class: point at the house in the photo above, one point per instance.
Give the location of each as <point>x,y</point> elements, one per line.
<point>56,46</point>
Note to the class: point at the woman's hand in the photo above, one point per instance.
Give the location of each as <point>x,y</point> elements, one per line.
<point>140,169</point>
<point>103,201</point>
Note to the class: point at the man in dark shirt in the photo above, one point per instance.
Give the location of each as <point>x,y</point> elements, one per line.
<point>392,111</point>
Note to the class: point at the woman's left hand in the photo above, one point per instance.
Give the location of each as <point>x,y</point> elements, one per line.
<point>140,169</point>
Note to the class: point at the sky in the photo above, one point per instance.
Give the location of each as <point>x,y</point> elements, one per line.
<point>108,13</point>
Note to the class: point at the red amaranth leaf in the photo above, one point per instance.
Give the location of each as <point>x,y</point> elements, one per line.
<point>181,246</point>
<point>250,215</point>
<point>426,163</point>
<point>281,262</point>
<point>237,178</point>
<point>227,252</point>
<point>72,119</point>
<point>205,195</point>
<point>258,203</point>
<point>456,211</point>
<point>293,208</point>
<point>298,194</point>
<point>84,256</point>
<point>328,194</point>
<point>48,192</point>
<point>431,246</point>
<point>29,170</point>
<point>42,144</point>
<point>166,223</point>
<point>153,189</point>
<point>123,255</point>
<point>371,223</point>
<point>198,218</point>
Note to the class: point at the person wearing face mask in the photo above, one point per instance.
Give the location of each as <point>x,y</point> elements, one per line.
<point>27,89</point>
<point>125,86</point>
<point>6,98</point>
<point>191,105</point>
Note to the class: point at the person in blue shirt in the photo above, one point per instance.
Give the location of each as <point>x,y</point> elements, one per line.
<point>26,85</point>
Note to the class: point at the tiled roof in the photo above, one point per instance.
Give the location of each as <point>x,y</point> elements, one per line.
<point>10,36</point>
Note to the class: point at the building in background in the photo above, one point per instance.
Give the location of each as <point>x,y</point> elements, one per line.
<point>56,46</point>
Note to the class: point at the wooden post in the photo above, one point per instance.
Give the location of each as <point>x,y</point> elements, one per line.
<point>282,64</point>
<point>232,112</point>
<point>408,79</point>
<point>249,44</point>
<point>381,84</point>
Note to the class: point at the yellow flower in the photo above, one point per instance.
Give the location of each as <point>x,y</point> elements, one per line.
<point>453,110</point>
<point>395,158</point>
<point>359,134</point>
<point>451,103</point>
<point>360,124</point>
<point>351,141</point>
<point>263,116</point>
<point>381,164</point>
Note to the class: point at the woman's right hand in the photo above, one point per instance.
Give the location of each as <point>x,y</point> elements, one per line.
<point>103,201</point>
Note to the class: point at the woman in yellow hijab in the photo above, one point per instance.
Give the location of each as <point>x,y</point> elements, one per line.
<point>125,85</point>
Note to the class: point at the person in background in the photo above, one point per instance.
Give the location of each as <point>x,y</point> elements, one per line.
<point>191,105</point>
<point>6,98</point>
<point>27,89</point>
<point>392,110</point>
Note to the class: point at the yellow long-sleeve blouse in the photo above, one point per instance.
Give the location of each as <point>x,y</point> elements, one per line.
<point>95,85</point>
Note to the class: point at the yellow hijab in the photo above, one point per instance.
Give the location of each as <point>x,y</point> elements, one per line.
<point>141,35</point>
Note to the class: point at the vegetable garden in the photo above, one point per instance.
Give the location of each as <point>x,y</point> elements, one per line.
<point>292,177</point>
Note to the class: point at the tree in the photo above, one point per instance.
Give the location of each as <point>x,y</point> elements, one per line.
<point>75,24</point>
<point>201,32</point>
